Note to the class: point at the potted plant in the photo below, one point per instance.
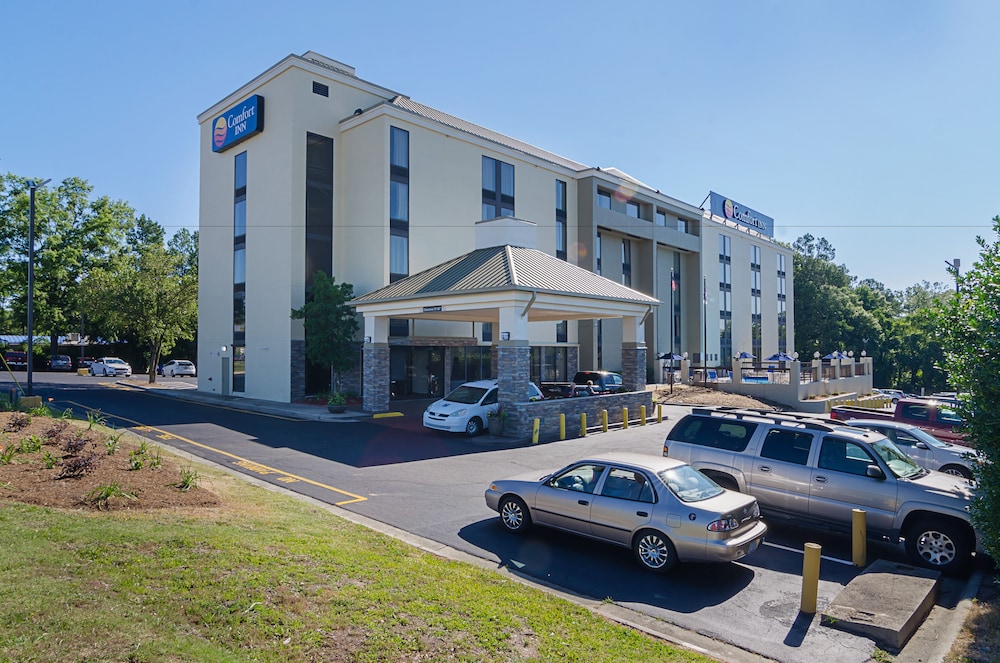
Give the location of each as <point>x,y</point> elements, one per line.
<point>336,403</point>
<point>496,419</point>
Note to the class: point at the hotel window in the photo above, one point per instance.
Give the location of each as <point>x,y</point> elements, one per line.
<point>487,330</point>
<point>725,297</point>
<point>627,262</point>
<point>604,200</point>
<point>498,189</point>
<point>561,331</point>
<point>238,376</point>
<point>597,253</point>
<point>660,219</point>
<point>682,225</point>
<point>560,219</point>
<point>632,209</point>
<point>319,206</point>
<point>399,204</point>
<point>782,307</point>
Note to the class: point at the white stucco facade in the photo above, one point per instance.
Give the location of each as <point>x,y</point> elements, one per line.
<point>445,202</point>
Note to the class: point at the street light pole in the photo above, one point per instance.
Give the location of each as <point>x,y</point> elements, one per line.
<point>32,185</point>
<point>954,266</point>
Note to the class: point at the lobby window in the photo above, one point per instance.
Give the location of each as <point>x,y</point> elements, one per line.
<point>560,219</point>
<point>487,332</point>
<point>632,209</point>
<point>561,331</point>
<point>604,200</point>
<point>399,204</point>
<point>660,219</point>
<point>597,253</point>
<point>627,262</point>
<point>498,189</point>
<point>399,327</point>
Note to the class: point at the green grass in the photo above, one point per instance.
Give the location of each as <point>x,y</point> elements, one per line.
<point>269,578</point>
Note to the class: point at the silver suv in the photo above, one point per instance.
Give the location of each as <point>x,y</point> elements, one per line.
<point>816,473</point>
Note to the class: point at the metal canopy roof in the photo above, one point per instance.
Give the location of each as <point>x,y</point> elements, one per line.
<point>473,288</point>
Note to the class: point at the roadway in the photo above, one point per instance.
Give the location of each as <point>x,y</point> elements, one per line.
<point>431,484</point>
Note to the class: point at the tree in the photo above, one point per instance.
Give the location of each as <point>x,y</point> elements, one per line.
<point>330,325</point>
<point>969,332</point>
<point>146,296</point>
<point>73,235</point>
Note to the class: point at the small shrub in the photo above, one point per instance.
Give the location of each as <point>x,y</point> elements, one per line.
<point>136,460</point>
<point>56,429</point>
<point>41,411</point>
<point>17,422</point>
<point>67,413</point>
<point>156,461</point>
<point>77,466</point>
<point>7,454</point>
<point>30,445</point>
<point>95,418</point>
<point>76,442</point>
<point>189,479</point>
<point>102,494</point>
<point>112,443</point>
<point>49,460</point>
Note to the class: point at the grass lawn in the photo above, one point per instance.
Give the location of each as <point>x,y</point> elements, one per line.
<point>254,575</point>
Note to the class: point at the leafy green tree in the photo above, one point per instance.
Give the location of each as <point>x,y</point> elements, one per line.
<point>74,234</point>
<point>148,297</point>
<point>330,325</point>
<point>971,336</point>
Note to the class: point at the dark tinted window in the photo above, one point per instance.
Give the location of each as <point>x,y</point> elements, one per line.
<point>788,446</point>
<point>715,432</point>
<point>844,456</point>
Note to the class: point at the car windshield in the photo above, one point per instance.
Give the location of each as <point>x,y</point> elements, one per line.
<point>927,438</point>
<point>901,465</point>
<point>690,485</point>
<point>466,394</point>
<point>112,360</point>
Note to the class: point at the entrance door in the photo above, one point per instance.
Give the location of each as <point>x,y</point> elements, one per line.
<point>416,372</point>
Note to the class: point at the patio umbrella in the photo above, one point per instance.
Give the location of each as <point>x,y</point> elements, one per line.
<point>745,355</point>
<point>670,356</point>
<point>780,356</point>
<point>836,354</point>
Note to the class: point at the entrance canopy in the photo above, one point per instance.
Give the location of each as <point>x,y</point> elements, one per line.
<point>477,286</point>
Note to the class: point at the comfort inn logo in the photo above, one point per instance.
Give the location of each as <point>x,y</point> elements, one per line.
<point>240,122</point>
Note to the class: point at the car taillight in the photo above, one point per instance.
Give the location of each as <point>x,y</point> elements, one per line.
<point>723,525</point>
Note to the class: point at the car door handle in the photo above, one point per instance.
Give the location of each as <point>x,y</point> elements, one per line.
<point>764,468</point>
<point>582,502</point>
<point>821,479</point>
<point>642,514</point>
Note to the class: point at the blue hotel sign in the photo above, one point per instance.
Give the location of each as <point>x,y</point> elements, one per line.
<point>727,209</point>
<point>240,122</point>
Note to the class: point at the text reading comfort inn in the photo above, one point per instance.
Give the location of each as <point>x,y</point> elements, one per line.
<point>240,122</point>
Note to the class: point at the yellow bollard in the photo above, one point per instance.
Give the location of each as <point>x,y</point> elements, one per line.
<point>659,413</point>
<point>859,532</point>
<point>642,415</point>
<point>604,420</point>
<point>583,424</point>
<point>534,431</point>
<point>562,426</point>
<point>810,578</point>
<point>624,418</point>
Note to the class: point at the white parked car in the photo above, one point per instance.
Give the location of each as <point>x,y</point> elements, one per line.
<point>467,408</point>
<point>176,367</point>
<point>110,366</point>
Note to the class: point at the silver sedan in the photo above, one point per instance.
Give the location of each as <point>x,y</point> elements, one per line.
<point>662,508</point>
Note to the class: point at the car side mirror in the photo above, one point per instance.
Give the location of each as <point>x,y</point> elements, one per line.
<point>875,472</point>
<point>920,445</point>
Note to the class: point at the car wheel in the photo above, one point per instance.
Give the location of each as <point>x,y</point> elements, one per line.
<point>92,373</point>
<point>938,544</point>
<point>514,515</point>
<point>958,471</point>
<point>653,551</point>
<point>474,427</point>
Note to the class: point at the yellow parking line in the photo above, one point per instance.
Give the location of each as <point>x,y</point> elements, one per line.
<point>285,477</point>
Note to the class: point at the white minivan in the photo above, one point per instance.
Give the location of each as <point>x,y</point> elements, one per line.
<point>466,409</point>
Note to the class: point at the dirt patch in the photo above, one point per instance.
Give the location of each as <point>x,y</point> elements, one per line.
<point>65,464</point>
<point>685,394</point>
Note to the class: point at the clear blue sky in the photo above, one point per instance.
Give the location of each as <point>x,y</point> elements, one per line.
<point>872,124</point>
